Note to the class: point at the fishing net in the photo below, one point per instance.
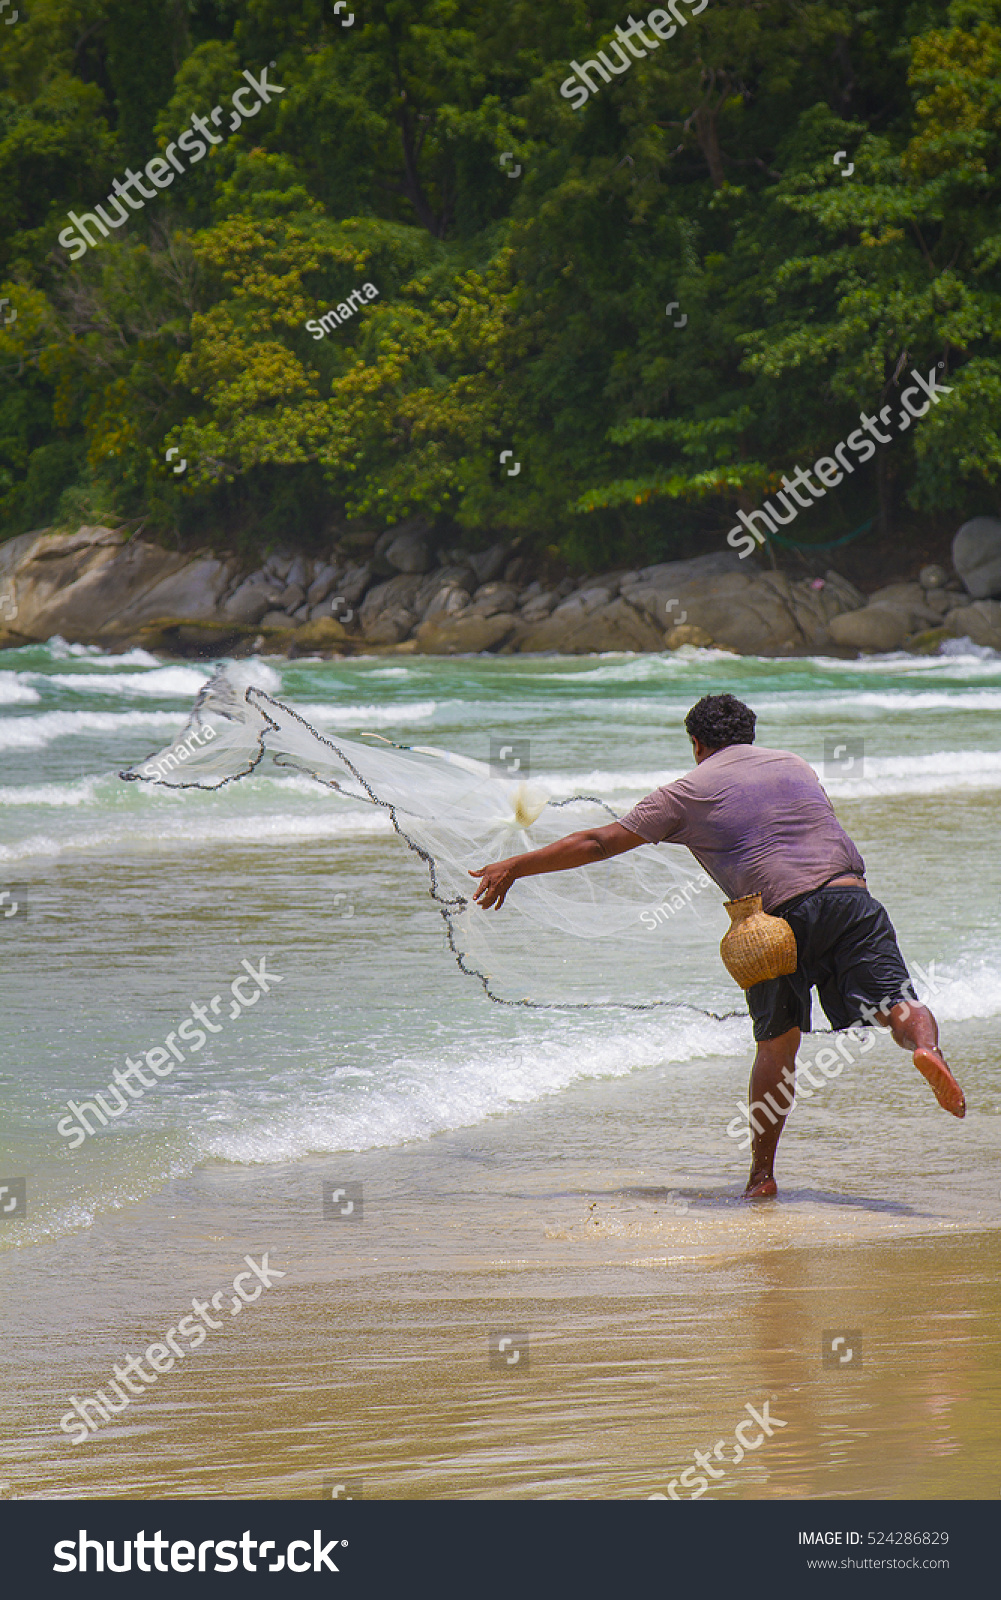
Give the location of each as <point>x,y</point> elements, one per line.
<point>639,931</point>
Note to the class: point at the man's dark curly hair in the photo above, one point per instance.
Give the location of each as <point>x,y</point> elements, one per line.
<point>719,720</point>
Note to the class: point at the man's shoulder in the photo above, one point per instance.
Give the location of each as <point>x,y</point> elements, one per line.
<point>759,755</point>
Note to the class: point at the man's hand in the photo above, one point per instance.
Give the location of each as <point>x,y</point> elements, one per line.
<point>576,850</point>
<point>496,881</point>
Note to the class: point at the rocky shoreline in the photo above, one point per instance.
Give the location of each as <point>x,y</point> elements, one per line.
<point>394,593</point>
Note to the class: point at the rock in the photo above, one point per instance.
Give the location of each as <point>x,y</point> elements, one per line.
<point>463,635</point>
<point>578,631</point>
<point>298,575</point>
<point>201,639</point>
<point>278,565</point>
<point>447,602</point>
<point>743,613</point>
<point>980,622</point>
<point>489,564</point>
<point>292,598</point>
<point>322,584</point>
<point>976,556</point>
<point>251,599</point>
<point>388,613</point>
<point>907,597</point>
<point>684,633</point>
<point>274,619</point>
<point>939,601</point>
<point>354,582</point>
<point>651,587</point>
<point>409,552</point>
<point>517,570</point>
<point>75,584</point>
<point>390,627</point>
<point>301,614</point>
<point>538,607</point>
<point>928,642</point>
<point>848,597</point>
<point>322,633</point>
<point>584,601</point>
<point>191,594</point>
<point>443,580</point>
<point>933,576</point>
<point>491,598</point>
<point>874,628</point>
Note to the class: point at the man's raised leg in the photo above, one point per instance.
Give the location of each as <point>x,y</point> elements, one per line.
<point>915,1029</point>
<point>771,1091</point>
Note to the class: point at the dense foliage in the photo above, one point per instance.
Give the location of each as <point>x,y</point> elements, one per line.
<point>523,253</point>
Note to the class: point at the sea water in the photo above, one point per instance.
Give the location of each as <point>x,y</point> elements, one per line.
<point>137,905</point>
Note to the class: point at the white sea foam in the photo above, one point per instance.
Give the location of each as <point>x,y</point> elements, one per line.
<point>183,831</point>
<point>15,692</point>
<point>80,793</point>
<point>164,683</point>
<point>964,989</point>
<point>423,1095</point>
<point>386,716</point>
<point>137,657</point>
<point>934,773</point>
<point>867,704</point>
<point>35,733</point>
<point>939,772</point>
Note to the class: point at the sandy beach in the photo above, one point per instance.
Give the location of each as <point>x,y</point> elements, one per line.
<point>657,1309</point>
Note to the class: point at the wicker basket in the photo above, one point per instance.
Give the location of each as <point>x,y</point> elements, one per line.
<point>756,946</point>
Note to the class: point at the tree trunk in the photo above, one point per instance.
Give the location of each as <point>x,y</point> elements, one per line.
<point>706,125</point>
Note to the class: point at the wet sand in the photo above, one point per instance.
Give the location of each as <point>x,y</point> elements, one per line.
<point>657,1307</point>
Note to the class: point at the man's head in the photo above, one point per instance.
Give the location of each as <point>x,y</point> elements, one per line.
<point>719,720</point>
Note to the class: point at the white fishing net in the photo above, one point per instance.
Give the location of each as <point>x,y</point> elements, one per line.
<point>640,930</point>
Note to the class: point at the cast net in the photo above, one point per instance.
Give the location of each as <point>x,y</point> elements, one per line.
<point>638,931</point>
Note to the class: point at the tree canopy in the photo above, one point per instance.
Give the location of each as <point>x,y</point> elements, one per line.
<point>523,254</point>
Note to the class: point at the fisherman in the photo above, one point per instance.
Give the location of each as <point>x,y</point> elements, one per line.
<point>759,822</point>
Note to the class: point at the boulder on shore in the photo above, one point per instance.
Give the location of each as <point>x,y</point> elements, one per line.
<point>463,635</point>
<point>976,556</point>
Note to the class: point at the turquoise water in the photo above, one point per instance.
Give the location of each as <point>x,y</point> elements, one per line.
<point>144,904</point>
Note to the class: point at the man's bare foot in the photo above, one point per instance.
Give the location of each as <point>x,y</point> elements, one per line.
<point>931,1064</point>
<point>761,1186</point>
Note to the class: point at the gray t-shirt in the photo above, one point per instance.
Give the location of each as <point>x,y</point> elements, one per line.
<point>758,821</point>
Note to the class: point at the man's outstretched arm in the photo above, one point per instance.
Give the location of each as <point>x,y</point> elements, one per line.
<point>576,850</point>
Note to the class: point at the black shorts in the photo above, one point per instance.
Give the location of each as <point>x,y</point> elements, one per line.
<point>847,950</point>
